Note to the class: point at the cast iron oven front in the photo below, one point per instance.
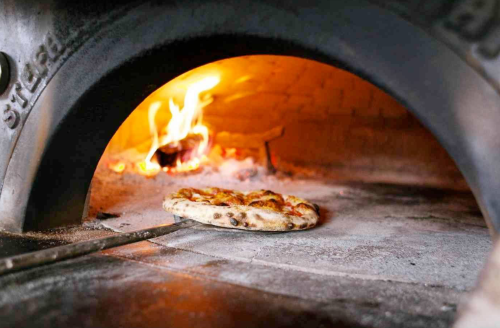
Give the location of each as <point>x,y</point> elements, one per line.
<point>77,70</point>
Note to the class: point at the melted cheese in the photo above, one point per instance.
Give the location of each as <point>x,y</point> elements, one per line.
<point>264,199</point>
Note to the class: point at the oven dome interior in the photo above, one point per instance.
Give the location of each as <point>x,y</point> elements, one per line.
<point>334,122</point>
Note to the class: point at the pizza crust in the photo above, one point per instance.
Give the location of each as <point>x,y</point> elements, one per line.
<point>243,216</point>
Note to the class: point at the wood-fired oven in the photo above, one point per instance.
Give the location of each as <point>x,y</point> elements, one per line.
<point>384,113</point>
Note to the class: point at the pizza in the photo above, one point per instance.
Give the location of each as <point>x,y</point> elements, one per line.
<point>254,210</point>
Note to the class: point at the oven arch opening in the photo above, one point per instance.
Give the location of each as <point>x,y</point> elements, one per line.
<point>426,66</point>
<point>440,99</point>
<point>335,127</point>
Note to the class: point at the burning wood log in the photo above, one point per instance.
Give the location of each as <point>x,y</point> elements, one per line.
<point>168,154</point>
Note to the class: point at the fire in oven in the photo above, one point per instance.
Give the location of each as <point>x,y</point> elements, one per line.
<point>223,164</point>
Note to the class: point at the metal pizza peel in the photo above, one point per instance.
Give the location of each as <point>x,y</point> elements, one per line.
<point>60,253</point>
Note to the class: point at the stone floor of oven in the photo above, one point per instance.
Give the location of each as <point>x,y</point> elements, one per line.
<point>147,285</point>
<point>384,256</point>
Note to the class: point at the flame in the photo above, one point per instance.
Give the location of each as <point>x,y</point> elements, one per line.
<point>147,167</point>
<point>185,121</point>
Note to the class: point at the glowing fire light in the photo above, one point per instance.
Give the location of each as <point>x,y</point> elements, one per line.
<point>118,167</point>
<point>184,122</point>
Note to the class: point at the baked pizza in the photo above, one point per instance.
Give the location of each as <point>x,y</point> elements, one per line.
<point>254,210</point>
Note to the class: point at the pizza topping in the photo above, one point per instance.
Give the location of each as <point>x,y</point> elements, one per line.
<point>263,195</point>
<point>270,204</point>
<point>294,212</point>
<point>294,200</point>
<point>225,200</point>
<point>252,210</point>
<point>253,195</point>
<point>185,193</point>
<point>220,191</point>
<point>264,199</point>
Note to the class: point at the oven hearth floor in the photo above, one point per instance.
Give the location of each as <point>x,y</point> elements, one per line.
<point>383,256</point>
<point>368,231</point>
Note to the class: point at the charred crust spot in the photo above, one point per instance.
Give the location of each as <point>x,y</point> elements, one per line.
<point>234,221</point>
<point>217,215</point>
<point>223,204</point>
<point>290,226</point>
<point>245,224</point>
<point>303,226</point>
<point>316,208</point>
<point>230,214</point>
<point>243,215</point>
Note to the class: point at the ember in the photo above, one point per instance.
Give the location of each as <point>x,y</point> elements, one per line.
<point>118,167</point>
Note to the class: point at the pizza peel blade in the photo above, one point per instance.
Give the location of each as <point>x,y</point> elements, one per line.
<point>60,253</point>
